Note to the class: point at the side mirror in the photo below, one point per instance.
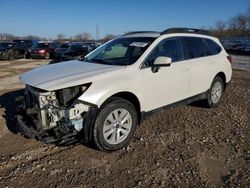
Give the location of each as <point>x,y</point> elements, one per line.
<point>163,61</point>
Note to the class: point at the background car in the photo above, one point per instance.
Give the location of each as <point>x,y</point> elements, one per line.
<point>43,50</point>
<point>11,51</point>
<point>4,48</point>
<point>93,45</point>
<point>238,46</point>
<point>61,48</point>
<point>76,51</point>
<point>26,46</point>
<point>247,50</point>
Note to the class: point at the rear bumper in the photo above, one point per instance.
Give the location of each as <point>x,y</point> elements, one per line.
<point>63,134</point>
<point>37,55</point>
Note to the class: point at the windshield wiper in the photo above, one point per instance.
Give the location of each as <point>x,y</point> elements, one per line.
<point>82,58</point>
<point>101,61</point>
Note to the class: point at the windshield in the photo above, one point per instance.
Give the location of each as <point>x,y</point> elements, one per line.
<point>41,45</point>
<point>5,45</point>
<point>121,51</point>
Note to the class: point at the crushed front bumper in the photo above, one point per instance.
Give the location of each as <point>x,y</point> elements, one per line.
<point>62,134</point>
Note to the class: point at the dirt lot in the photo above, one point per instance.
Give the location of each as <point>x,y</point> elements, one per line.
<point>188,146</point>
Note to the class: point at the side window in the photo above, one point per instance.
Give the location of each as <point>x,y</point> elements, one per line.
<point>137,52</point>
<point>195,47</point>
<point>19,46</point>
<point>169,48</point>
<point>52,45</point>
<point>213,48</point>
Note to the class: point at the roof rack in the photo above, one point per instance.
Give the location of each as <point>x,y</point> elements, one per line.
<point>186,30</point>
<point>139,32</point>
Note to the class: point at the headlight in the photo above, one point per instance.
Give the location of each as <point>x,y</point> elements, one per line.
<point>66,97</point>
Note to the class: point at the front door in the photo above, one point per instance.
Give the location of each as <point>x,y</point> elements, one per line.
<point>169,84</point>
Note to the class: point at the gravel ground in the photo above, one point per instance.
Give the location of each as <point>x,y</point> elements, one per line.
<point>187,146</point>
<point>241,62</point>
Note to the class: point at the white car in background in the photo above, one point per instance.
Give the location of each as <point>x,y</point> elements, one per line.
<point>103,97</point>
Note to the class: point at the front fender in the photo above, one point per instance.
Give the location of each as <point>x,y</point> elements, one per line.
<point>101,90</point>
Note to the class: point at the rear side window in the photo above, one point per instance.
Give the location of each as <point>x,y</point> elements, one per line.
<point>212,47</point>
<point>195,47</point>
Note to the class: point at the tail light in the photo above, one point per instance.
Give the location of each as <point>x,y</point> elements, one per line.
<point>41,51</point>
<point>229,58</point>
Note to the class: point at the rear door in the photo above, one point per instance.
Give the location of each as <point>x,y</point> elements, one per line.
<point>203,62</point>
<point>201,65</point>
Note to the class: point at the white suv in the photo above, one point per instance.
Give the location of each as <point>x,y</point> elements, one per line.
<point>103,97</point>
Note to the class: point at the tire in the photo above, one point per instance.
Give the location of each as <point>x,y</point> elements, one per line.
<point>11,56</point>
<point>215,92</point>
<point>110,133</point>
<point>47,56</point>
<point>26,55</point>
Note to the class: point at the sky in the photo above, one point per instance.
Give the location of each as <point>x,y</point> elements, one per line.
<point>48,18</point>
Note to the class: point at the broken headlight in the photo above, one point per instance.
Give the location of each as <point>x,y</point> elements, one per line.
<point>66,97</point>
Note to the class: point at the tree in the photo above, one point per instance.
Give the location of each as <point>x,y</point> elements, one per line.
<point>220,27</point>
<point>7,36</point>
<point>242,23</point>
<point>83,36</point>
<point>248,19</point>
<point>60,37</point>
<point>108,37</point>
<point>232,24</point>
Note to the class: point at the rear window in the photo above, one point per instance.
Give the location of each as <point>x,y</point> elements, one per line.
<point>65,46</point>
<point>212,47</point>
<point>41,45</point>
<point>78,48</point>
<point>195,47</point>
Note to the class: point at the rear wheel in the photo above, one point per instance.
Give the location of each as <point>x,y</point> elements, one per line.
<point>27,55</point>
<point>215,92</point>
<point>47,56</point>
<point>115,125</point>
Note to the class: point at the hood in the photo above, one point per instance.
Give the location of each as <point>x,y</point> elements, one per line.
<point>67,74</point>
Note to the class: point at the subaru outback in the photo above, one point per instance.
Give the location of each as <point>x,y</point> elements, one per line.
<point>104,96</point>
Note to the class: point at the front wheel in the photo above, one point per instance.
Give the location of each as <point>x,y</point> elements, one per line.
<point>115,125</point>
<point>11,56</point>
<point>215,92</point>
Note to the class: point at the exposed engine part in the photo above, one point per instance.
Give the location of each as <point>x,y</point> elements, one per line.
<point>75,115</point>
<point>46,105</point>
<point>77,124</point>
<point>67,96</point>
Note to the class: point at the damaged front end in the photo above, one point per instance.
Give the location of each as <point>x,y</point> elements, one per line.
<point>56,116</point>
